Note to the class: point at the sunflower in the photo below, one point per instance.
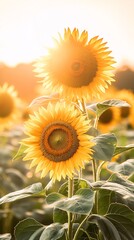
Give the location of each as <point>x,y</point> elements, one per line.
<point>9,107</point>
<point>76,67</point>
<point>109,119</point>
<point>57,142</point>
<point>127,113</point>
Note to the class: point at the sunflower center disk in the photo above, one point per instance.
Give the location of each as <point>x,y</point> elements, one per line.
<point>125,111</point>
<point>6,105</point>
<point>59,141</point>
<point>106,117</point>
<point>82,71</point>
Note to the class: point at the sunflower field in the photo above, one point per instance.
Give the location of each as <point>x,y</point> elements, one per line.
<point>67,157</point>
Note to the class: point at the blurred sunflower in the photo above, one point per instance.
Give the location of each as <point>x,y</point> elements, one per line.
<point>76,67</point>
<point>57,142</point>
<point>9,107</point>
<point>127,113</point>
<point>109,119</point>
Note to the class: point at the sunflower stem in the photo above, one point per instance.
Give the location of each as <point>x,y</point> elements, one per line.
<point>79,228</point>
<point>70,215</point>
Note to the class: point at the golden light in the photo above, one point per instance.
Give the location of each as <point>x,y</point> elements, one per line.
<point>27,27</point>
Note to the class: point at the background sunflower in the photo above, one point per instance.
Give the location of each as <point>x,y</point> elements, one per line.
<point>9,107</point>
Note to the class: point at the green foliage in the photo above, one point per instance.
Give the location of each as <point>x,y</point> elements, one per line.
<point>34,189</point>
<point>104,148</point>
<point>101,107</point>
<point>80,203</point>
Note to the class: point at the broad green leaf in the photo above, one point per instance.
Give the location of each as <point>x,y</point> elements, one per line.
<point>116,183</point>
<point>123,219</point>
<point>20,154</point>
<point>81,203</point>
<point>125,168</point>
<point>54,197</point>
<point>104,196</point>
<point>28,229</point>
<point>100,107</point>
<point>104,146</point>
<point>53,231</point>
<point>78,183</point>
<point>6,236</point>
<point>60,216</point>
<point>121,149</point>
<point>108,230</point>
<point>124,189</point>
<point>34,189</point>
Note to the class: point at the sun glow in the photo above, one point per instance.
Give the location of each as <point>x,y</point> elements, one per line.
<point>27,27</point>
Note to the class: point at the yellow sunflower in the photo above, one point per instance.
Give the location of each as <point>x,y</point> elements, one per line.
<point>76,67</point>
<point>57,142</point>
<point>127,113</point>
<point>109,119</point>
<point>9,107</point>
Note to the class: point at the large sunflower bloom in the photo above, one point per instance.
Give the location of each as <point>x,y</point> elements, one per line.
<point>76,67</point>
<point>57,142</point>
<point>9,107</point>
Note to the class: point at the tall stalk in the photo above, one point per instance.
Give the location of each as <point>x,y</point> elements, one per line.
<point>70,215</point>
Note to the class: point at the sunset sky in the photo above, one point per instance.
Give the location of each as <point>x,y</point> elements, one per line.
<point>27,26</point>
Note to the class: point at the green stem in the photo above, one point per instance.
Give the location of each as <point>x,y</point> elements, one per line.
<point>70,215</point>
<point>99,170</point>
<point>94,170</point>
<point>78,229</point>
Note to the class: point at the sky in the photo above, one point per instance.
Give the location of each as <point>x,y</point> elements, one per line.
<point>28,26</point>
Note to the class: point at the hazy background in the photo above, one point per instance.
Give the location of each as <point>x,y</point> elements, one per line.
<point>27,28</point>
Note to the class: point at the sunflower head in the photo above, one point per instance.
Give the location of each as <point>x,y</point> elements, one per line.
<point>9,106</point>
<point>109,119</point>
<point>77,67</point>
<point>57,141</point>
<point>127,113</point>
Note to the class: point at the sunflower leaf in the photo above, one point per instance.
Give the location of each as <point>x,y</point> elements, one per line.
<point>20,154</point>
<point>108,230</point>
<point>123,219</point>
<point>101,107</point>
<point>120,149</point>
<point>125,168</point>
<point>53,232</point>
<point>28,229</point>
<point>122,188</point>
<point>81,203</point>
<point>34,189</point>
<point>104,146</point>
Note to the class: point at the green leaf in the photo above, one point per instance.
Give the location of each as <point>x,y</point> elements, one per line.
<point>53,232</point>
<point>78,183</point>
<point>28,229</point>
<point>81,203</point>
<point>126,168</point>
<point>123,219</point>
<point>104,146</point>
<point>124,189</point>
<point>33,189</point>
<point>6,236</point>
<point>60,216</point>
<point>108,230</point>
<point>20,154</point>
<point>101,107</point>
<point>121,149</point>
<point>54,197</point>
<point>104,196</point>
